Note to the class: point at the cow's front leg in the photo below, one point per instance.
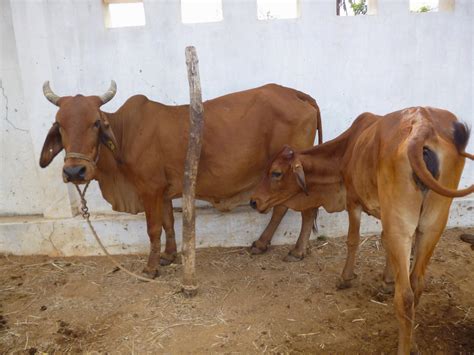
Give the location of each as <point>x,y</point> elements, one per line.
<point>261,245</point>
<point>299,251</point>
<point>170,252</point>
<point>153,213</point>
<point>353,239</point>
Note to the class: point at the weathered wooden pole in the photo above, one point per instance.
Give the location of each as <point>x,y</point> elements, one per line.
<point>196,120</point>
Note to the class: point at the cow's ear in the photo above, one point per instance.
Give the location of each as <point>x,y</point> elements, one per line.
<point>300,178</point>
<point>107,137</point>
<point>52,146</point>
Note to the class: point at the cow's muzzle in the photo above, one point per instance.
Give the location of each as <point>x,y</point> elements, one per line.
<point>258,205</point>
<point>74,173</point>
<point>253,204</point>
<point>78,173</point>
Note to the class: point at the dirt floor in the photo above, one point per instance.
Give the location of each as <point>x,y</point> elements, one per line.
<point>245,303</point>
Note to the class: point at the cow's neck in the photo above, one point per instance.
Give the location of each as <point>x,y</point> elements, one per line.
<point>322,166</point>
<point>322,163</point>
<point>114,178</point>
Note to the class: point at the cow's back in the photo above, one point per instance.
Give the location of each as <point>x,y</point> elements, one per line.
<point>242,132</point>
<point>360,162</point>
<point>374,144</point>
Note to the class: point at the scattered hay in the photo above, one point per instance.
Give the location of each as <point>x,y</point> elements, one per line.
<point>245,303</point>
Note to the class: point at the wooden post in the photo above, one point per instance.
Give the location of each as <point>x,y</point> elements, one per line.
<point>190,172</point>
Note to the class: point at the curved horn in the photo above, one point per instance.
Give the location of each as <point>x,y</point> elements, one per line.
<point>467,155</point>
<point>49,94</point>
<point>110,93</point>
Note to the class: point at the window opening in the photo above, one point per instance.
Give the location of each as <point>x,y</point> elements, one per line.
<point>424,6</point>
<point>124,13</point>
<point>356,7</point>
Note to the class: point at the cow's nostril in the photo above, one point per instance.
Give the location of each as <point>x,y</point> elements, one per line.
<point>67,172</point>
<point>253,204</point>
<point>75,172</point>
<point>82,172</point>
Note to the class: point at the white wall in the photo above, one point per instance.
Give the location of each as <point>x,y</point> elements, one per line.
<point>19,191</point>
<point>350,65</point>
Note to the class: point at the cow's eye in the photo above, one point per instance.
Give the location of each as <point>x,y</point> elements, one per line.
<point>276,174</point>
<point>97,124</point>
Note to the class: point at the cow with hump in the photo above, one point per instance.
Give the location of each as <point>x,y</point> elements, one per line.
<point>137,154</point>
<point>402,168</point>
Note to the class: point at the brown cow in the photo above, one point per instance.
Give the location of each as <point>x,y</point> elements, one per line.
<point>401,168</point>
<point>143,168</point>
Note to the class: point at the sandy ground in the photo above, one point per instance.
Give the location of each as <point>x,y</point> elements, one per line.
<point>245,303</point>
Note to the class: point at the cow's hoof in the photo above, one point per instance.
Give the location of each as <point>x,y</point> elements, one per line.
<point>258,248</point>
<point>467,238</point>
<point>387,288</point>
<point>343,284</point>
<point>414,348</point>
<point>150,273</point>
<point>167,259</point>
<point>293,256</point>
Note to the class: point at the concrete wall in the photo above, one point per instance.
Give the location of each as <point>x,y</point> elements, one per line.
<point>378,63</point>
<point>19,191</point>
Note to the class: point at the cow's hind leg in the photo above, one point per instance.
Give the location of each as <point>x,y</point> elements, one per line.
<point>353,239</point>
<point>398,247</point>
<point>261,245</point>
<point>433,220</point>
<point>400,214</point>
<point>153,213</point>
<point>388,286</point>
<point>170,252</point>
<point>299,251</point>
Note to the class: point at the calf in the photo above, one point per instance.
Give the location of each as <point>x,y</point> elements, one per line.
<point>402,168</point>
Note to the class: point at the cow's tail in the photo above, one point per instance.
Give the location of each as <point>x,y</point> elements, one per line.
<point>315,221</point>
<point>417,162</point>
<point>461,135</point>
<point>320,127</point>
<point>312,102</point>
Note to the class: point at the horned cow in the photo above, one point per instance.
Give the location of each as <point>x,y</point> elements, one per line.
<point>137,153</point>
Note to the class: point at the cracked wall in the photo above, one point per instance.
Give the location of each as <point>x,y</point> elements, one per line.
<point>20,192</point>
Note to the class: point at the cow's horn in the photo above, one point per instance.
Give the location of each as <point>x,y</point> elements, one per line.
<point>110,93</point>
<point>49,94</point>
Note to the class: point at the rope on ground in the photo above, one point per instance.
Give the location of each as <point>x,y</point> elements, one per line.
<point>86,215</point>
